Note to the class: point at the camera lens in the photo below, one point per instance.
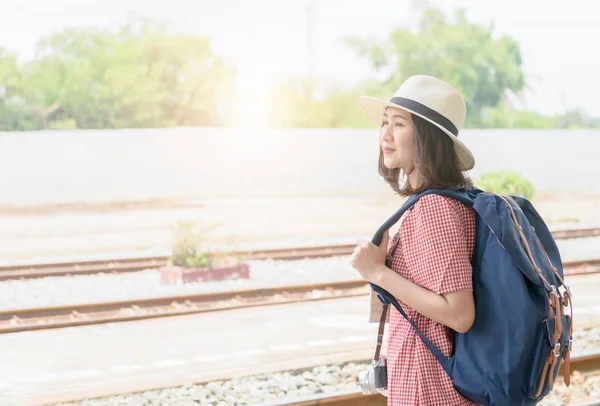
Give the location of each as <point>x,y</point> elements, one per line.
<point>367,382</point>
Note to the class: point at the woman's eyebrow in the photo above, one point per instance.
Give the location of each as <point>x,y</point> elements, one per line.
<point>396,116</point>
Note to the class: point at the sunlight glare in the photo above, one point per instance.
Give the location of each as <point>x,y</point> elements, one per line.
<point>251,104</point>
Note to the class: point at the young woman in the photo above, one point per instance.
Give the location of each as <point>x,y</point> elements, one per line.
<point>430,271</point>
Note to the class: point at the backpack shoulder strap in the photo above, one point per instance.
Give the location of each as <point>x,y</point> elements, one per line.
<point>463,196</point>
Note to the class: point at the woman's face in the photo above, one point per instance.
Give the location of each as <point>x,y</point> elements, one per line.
<point>396,139</point>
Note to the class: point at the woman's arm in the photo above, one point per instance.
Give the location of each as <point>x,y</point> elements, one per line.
<point>455,310</point>
<point>438,254</point>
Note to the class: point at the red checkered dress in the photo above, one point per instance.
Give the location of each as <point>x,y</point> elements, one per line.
<point>437,237</point>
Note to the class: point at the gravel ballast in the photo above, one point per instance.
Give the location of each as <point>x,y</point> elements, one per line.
<point>325,379</point>
<point>282,386</point>
<point>60,291</point>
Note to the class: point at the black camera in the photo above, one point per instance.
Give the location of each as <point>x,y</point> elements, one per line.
<point>374,379</point>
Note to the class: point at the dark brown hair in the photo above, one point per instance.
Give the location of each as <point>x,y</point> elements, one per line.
<point>434,158</point>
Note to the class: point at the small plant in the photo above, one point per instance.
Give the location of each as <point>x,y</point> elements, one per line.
<point>191,247</point>
<point>506,183</point>
<point>194,260</point>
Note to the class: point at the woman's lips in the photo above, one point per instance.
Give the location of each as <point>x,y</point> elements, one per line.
<point>387,150</point>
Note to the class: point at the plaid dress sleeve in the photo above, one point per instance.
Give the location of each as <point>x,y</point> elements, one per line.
<point>441,244</point>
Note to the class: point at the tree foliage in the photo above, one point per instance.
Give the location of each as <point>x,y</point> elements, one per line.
<point>142,75</point>
<point>458,52</point>
<point>137,75</point>
<point>16,109</point>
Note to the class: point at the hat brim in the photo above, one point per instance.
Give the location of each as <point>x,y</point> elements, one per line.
<point>374,109</point>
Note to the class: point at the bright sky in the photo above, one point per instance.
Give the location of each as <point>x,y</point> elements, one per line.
<point>267,39</point>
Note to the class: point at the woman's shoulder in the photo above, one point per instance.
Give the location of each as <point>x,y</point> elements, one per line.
<point>436,210</point>
<point>439,203</point>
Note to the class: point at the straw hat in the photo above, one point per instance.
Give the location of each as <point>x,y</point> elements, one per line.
<point>433,100</point>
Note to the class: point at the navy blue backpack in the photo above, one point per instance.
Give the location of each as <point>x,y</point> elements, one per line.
<point>512,353</point>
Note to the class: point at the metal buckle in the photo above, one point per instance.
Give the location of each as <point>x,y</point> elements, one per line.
<point>570,346</point>
<point>554,291</point>
<point>556,350</point>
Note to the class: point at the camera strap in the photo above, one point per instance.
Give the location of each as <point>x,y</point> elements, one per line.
<point>385,307</point>
<point>381,331</point>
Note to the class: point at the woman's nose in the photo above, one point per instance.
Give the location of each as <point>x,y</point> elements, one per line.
<point>386,133</point>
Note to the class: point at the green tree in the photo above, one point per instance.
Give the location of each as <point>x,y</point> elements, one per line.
<point>503,116</point>
<point>17,110</point>
<point>575,119</point>
<point>463,54</point>
<point>137,75</point>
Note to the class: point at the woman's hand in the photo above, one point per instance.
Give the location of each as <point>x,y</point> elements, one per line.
<point>369,259</point>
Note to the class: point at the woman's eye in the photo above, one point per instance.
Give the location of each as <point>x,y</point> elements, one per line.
<point>399,124</point>
<point>384,123</point>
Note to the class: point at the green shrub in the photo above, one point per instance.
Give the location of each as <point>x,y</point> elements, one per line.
<point>194,247</point>
<point>505,183</point>
<point>189,248</point>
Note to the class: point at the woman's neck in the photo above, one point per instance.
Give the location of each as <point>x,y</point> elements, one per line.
<point>413,179</point>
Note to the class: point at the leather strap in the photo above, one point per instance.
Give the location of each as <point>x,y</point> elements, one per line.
<point>567,300</point>
<point>381,331</point>
<point>543,377</point>
<point>524,241</point>
<point>385,307</point>
<point>555,352</point>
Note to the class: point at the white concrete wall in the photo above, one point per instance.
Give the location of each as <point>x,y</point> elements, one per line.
<point>71,166</point>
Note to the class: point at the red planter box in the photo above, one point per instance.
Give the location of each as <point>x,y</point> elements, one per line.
<point>172,275</point>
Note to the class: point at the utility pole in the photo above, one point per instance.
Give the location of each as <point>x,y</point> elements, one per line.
<point>310,40</point>
<point>311,77</point>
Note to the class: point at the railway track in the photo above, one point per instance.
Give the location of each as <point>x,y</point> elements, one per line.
<point>97,313</point>
<point>138,309</point>
<point>12,321</point>
<point>121,265</point>
<point>586,363</point>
